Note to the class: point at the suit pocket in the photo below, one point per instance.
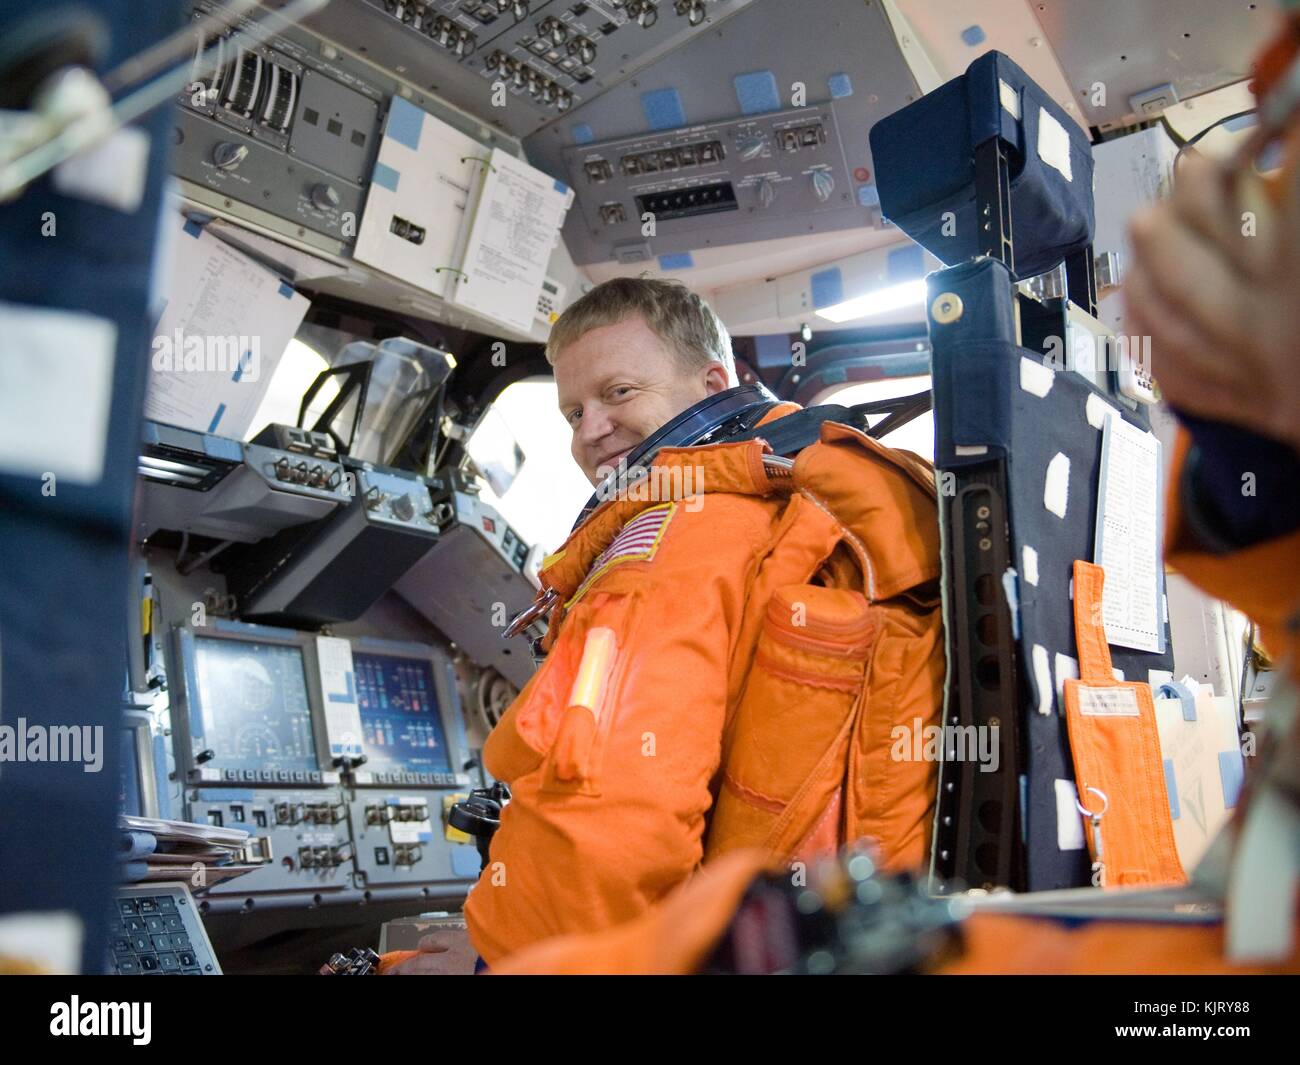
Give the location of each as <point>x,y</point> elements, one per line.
<point>584,697</point>
<point>783,759</point>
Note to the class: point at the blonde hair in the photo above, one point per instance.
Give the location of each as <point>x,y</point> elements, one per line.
<point>676,315</point>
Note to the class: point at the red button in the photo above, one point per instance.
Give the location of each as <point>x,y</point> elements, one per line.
<point>861,173</point>
<point>489,525</point>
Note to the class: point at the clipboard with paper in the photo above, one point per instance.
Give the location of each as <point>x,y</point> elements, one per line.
<point>513,221</point>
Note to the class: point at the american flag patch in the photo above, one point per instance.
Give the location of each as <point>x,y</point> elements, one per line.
<point>637,541</point>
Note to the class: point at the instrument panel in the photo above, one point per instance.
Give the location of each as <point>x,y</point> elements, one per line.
<point>524,63</point>
<point>340,757</point>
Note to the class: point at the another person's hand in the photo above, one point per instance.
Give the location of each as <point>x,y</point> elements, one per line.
<point>426,960</point>
<point>1222,308</point>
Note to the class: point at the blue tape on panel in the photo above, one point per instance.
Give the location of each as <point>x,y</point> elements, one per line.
<point>561,187</point>
<point>906,264</point>
<point>221,448</point>
<point>757,92</point>
<point>582,133</point>
<point>1230,773</point>
<point>221,409</point>
<point>349,696</point>
<point>192,227</point>
<point>772,350</point>
<point>868,196</point>
<point>974,35</point>
<point>385,176</point>
<point>1175,690</point>
<point>405,121</point>
<point>1171,786</point>
<point>677,261</point>
<point>827,288</point>
<point>225,795</point>
<point>245,361</point>
<point>840,86</point>
<point>663,109</point>
<point>286,290</point>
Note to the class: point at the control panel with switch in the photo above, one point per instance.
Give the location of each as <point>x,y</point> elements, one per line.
<point>707,183</point>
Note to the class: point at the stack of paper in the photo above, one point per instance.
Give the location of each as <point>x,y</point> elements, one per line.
<point>202,855</point>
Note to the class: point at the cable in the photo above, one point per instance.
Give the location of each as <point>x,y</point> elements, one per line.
<point>1179,140</point>
<point>1191,142</point>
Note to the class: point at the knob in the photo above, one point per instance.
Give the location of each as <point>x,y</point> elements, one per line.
<point>823,183</point>
<point>402,507</point>
<point>374,498</point>
<point>325,197</point>
<point>750,145</point>
<point>227,156</point>
<point>766,192</point>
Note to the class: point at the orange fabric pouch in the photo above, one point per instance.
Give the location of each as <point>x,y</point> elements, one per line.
<point>785,752</point>
<point>1117,762</point>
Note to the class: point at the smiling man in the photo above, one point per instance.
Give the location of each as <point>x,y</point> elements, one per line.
<point>618,752</point>
<point>629,357</point>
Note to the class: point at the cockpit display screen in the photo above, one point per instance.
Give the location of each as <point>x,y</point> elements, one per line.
<point>400,720</point>
<point>255,707</point>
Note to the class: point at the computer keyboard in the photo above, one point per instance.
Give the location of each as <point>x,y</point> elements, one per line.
<point>157,931</point>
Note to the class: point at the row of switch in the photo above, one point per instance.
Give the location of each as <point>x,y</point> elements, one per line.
<point>668,160</point>
<point>315,476</point>
<point>538,84</point>
<point>439,28</point>
<point>324,857</point>
<point>384,813</point>
<point>266,776</point>
<point>311,813</point>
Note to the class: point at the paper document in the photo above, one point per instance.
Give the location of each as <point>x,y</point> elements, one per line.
<point>222,333</point>
<point>515,226</point>
<point>1128,536</point>
<point>186,832</point>
<point>338,685</point>
<point>415,207</point>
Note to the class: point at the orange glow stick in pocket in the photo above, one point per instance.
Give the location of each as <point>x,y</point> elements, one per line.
<point>578,727</point>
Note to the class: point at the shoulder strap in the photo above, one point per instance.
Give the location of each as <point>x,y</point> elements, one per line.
<point>791,434</point>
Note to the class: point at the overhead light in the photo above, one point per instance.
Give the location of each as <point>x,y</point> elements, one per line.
<point>881,301</point>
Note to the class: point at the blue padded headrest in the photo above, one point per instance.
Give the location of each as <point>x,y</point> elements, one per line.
<point>925,167</point>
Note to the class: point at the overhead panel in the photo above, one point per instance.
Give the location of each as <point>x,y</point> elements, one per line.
<point>518,64</point>
<point>756,131</point>
<point>1124,48</point>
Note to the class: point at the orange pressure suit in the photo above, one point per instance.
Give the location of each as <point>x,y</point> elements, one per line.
<point>732,651</point>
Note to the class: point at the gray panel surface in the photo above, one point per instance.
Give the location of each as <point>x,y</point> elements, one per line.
<point>405,37</point>
<point>796,42</point>
<point>330,141</point>
<point>1132,45</point>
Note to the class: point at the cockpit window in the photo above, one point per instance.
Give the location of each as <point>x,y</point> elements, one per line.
<point>294,374</point>
<point>917,435</point>
<point>549,490</point>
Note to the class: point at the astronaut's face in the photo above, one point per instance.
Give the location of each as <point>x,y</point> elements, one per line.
<point>618,384</point>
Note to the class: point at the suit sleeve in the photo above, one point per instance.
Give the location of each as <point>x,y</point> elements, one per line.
<point>584,855</point>
<point>1261,580</point>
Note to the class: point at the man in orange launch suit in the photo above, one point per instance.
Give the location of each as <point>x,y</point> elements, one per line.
<point>714,593</point>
